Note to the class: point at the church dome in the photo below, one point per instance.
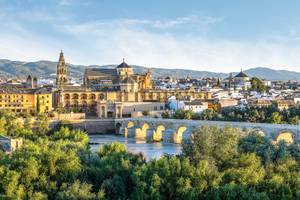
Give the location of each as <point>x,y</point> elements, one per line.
<point>241,75</point>
<point>123,65</point>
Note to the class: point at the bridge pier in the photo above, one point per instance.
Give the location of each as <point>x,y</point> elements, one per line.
<point>150,134</point>
<point>177,135</point>
<point>130,132</point>
<point>158,133</point>
<point>168,136</point>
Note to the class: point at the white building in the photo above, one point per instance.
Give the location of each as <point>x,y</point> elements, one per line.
<point>195,106</point>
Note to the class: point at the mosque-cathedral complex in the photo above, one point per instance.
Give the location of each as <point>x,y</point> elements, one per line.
<point>114,92</point>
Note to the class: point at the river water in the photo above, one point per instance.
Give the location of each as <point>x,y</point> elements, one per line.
<point>149,150</point>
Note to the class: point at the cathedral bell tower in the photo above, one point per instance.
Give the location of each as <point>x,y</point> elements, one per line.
<point>61,71</point>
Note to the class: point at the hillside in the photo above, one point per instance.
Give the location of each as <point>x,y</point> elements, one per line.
<point>9,69</point>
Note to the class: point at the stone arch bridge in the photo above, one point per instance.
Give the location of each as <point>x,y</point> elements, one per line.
<point>174,130</point>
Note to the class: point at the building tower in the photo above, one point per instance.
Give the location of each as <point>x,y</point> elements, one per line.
<point>61,72</point>
<point>34,82</point>
<point>124,70</point>
<point>29,82</point>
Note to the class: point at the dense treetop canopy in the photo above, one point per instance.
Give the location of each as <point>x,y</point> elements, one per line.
<point>215,164</point>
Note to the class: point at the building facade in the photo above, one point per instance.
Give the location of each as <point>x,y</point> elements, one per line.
<point>112,88</point>
<point>9,145</point>
<point>22,100</point>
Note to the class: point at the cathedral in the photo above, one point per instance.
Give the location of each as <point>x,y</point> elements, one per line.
<point>121,78</point>
<point>113,92</point>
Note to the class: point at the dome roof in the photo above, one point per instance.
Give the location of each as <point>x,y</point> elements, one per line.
<point>241,75</point>
<point>123,65</point>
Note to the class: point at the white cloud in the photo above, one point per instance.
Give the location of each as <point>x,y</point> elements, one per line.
<point>112,41</point>
<point>150,43</point>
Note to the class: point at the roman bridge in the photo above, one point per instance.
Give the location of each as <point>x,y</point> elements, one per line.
<point>174,130</point>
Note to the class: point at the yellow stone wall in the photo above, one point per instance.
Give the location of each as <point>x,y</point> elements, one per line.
<point>45,102</point>
<point>24,102</point>
<point>17,102</point>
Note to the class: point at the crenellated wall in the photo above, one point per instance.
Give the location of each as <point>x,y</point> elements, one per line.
<point>174,130</point>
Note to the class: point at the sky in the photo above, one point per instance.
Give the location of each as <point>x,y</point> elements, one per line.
<point>211,35</point>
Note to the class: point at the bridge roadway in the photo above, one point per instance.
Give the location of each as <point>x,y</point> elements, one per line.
<point>174,130</point>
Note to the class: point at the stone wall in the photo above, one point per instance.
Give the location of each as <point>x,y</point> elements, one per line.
<point>69,116</point>
<point>92,126</point>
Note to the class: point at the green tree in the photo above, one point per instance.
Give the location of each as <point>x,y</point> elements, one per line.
<point>183,114</point>
<point>209,114</point>
<point>165,115</point>
<point>76,191</point>
<point>174,178</point>
<point>42,124</point>
<point>233,192</point>
<point>257,85</point>
<point>275,118</point>
<point>258,144</point>
<point>212,143</point>
<point>246,169</point>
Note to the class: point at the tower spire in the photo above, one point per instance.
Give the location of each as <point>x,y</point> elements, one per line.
<point>61,56</point>
<point>61,71</point>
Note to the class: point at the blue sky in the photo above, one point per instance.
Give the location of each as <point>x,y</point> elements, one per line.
<point>223,35</point>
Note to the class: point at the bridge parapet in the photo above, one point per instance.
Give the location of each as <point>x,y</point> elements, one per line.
<point>160,129</point>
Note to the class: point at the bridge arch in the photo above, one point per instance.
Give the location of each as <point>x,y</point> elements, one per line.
<point>145,126</point>
<point>157,136</point>
<point>177,137</point>
<point>285,136</point>
<point>141,133</point>
<point>118,128</point>
<point>128,125</point>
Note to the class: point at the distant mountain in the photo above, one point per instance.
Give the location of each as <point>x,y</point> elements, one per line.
<point>9,69</point>
<point>271,74</point>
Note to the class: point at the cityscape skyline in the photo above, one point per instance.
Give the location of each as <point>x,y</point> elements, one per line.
<point>214,36</point>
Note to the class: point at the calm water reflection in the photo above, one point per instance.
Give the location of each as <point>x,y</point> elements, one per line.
<point>149,150</point>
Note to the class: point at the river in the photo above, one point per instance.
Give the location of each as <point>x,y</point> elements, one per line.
<point>149,150</point>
